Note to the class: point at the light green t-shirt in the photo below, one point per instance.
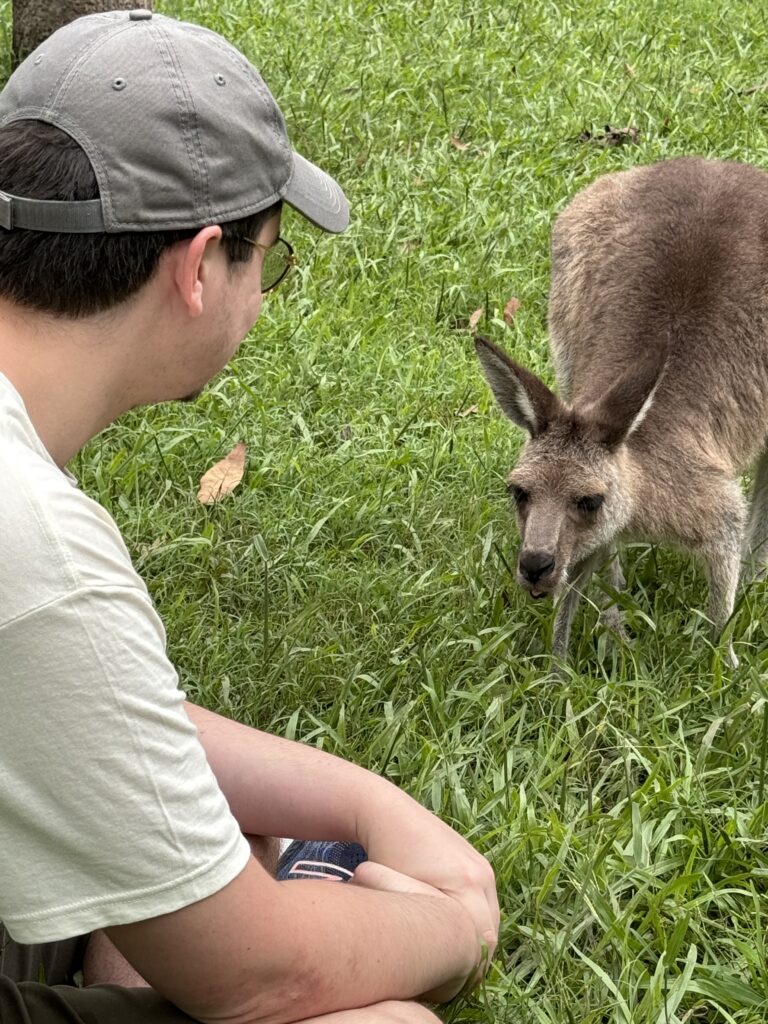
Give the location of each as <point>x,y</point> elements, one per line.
<point>109,812</point>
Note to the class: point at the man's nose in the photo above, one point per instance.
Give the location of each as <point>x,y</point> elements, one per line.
<point>535,564</point>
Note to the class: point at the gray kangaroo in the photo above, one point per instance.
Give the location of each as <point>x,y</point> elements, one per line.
<point>658,320</point>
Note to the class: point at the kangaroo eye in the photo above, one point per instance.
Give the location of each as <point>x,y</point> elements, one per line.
<point>519,494</point>
<point>590,502</point>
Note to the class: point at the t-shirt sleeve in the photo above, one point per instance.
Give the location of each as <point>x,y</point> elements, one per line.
<point>109,812</point>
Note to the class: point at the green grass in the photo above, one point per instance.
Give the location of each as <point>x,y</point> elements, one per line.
<point>355,591</point>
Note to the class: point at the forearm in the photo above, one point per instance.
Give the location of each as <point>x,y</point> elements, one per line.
<point>277,787</point>
<point>278,952</point>
<point>394,945</point>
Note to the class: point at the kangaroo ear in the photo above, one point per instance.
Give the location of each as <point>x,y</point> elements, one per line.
<point>612,418</point>
<point>525,399</point>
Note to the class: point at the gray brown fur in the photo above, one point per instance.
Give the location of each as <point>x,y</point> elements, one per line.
<point>659,292</point>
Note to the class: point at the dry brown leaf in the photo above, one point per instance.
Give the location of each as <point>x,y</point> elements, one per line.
<point>510,309</point>
<point>222,478</point>
<point>467,412</point>
<point>474,319</point>
<point>456,141</point>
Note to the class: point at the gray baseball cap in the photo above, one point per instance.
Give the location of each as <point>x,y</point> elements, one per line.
<point>180,129</point>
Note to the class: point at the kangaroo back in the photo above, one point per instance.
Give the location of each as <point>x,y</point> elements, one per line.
<point>672,255</point>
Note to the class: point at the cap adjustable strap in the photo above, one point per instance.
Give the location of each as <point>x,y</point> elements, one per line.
<point>77,218</point>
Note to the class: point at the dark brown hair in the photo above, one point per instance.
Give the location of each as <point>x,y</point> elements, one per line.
<point>77,275</point>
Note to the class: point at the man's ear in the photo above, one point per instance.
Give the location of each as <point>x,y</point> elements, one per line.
<point>525,399</point>
<point>614,416</point>
<point>190,270</point>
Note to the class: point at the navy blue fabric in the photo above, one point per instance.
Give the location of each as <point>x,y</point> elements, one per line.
<point>319,859</point>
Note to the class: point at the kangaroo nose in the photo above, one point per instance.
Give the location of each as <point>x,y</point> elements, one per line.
<point>535,564</point>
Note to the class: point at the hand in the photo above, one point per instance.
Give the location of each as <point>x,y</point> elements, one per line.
<point>403,835</point>
<point>370,875</point>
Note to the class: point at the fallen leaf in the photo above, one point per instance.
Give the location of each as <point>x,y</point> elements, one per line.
<point>474,320</point>
<point>456,141</point>
<point>510,309</point>
<point>467,412</point>
<point>223,477</point>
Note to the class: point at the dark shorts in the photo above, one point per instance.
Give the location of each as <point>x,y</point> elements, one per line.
<point>38,986</point>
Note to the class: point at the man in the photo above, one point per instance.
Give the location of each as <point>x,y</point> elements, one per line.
<point>143,168</point>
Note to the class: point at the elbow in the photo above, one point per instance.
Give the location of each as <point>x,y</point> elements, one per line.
<point>279,1000</point>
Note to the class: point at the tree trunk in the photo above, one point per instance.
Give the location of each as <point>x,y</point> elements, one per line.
<point>34,20</point>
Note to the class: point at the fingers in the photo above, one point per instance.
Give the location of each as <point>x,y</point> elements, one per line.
<point>476,891</point>
<point>459,927</point>
<point>371,875</point>
<point>474,901</point>
<point>486,926</point>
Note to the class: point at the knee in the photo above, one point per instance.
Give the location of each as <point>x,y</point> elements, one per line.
<point>397,1012</point>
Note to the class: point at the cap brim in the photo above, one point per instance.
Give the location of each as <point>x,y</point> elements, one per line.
<point>317,196</point>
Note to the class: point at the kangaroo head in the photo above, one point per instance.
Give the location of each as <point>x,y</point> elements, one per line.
<point>569,484</point>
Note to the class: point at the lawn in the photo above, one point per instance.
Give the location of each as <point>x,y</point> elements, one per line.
<point>356,591</point>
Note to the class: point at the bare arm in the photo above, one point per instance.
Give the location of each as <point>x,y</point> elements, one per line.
<point>266,952</point>
<point>276,787</point>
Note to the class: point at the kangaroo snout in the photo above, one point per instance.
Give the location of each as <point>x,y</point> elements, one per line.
<point>535,567</point>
